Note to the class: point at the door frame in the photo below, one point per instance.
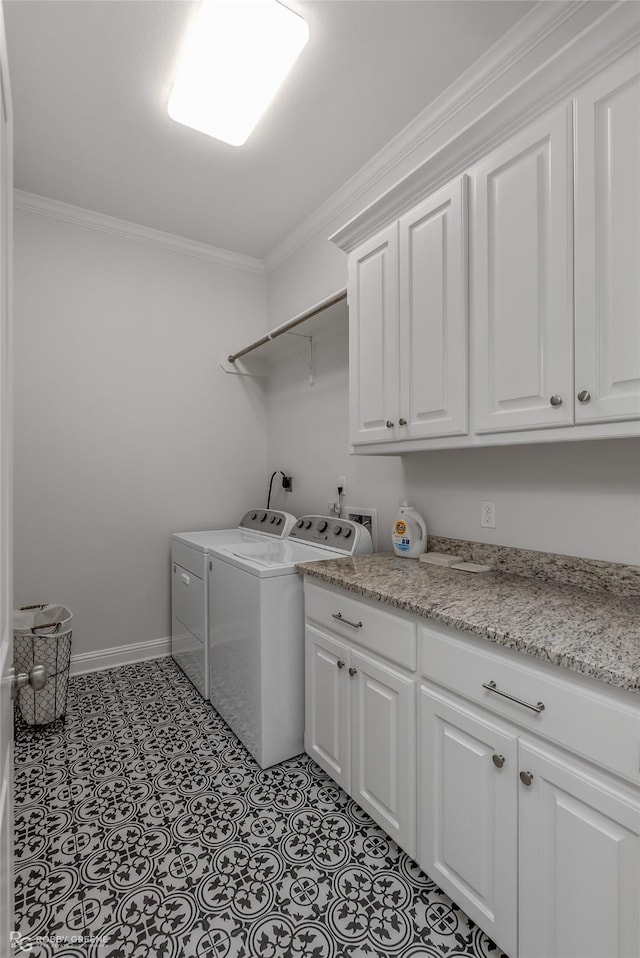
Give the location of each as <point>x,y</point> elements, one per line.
<point>6,503</point>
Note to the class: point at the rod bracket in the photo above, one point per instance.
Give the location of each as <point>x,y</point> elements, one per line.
<point>238,368</point>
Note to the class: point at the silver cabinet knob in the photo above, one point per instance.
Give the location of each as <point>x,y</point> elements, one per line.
<point>402,422</point>
<point>526,778</point>
<point>498,760</point>
<point>584,396</point>
<point>389,424</point>
<point>352,671</point>
<point>36,678</point>
<point>556,400</point>
<point>340,664</point>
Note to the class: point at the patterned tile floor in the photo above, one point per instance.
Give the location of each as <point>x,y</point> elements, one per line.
<point>144,829</point>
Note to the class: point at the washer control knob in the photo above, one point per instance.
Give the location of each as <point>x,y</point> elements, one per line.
<point>322,525</point>
<point>337,530</point>
<point>307,524</point>
<point>300,523</point>
<point>278,520</point>
<point>272,520</point>
<point>346,532</point>
<point>263,517</point>
<point>254,515</point>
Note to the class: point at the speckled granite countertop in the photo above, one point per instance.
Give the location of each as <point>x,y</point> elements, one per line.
<point>595,633</point>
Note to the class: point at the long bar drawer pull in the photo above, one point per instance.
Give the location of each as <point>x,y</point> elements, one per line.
<point>491,687</point>
<point>339,617</point>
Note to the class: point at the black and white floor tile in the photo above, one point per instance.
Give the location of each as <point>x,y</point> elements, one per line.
<point>144,829</point>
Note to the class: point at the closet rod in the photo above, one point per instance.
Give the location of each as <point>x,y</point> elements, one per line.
<point>290,324</point>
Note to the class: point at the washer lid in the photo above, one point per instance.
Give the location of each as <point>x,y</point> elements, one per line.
<point>204,541</point>
<point>270,557</point>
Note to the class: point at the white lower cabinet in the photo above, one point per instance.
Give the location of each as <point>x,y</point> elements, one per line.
<point>514,785</point>
<point>467,811</point>
<point>383,746</point>
<point>564,803</point>
<point>579,845</point>
<point>326,734</point>
<point>360,728</point>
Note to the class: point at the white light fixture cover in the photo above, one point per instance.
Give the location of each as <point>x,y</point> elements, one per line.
<point>236,55</point>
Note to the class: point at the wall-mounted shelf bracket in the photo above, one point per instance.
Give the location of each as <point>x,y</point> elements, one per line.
<point>238,368</point>
<point>231,363</point>
<point>299,345</point>
<point>303,350</point>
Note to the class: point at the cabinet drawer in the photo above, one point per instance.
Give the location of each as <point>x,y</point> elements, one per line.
<point>387,634</point>
<point>581,717</point>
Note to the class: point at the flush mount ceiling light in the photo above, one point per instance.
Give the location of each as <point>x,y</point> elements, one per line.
<point>236,55</point>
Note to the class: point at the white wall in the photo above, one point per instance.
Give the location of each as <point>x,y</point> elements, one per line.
<point>574,498</point>
<point>126,429</point>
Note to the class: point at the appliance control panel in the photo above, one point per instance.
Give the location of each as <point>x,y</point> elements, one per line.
<point>341,535</point>
<point>270,521</point>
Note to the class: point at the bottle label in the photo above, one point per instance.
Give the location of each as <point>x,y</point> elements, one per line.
<point>400,528</point>
<point>403,545</point>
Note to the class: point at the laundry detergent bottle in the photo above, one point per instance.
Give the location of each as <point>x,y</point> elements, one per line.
<point>409,533</point>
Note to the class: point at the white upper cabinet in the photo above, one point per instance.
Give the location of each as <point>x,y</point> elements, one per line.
<point>607,244</point>
<point>408,325</point>
<point>433,315</point>
<point>505,306</point>
<point>373,338</point>
<point>522,280</point>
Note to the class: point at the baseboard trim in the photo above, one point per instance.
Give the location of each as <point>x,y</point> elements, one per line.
<point>119,655</point>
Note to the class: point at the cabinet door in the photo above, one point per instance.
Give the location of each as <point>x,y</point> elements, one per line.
<point>608,244</point>
<point>373,338</point>
<point>467,811</point>
<point>521,306</point>
<point>433,315</point>
<point>327,734</point>
<point>579,861</point>
<point>383,747</point>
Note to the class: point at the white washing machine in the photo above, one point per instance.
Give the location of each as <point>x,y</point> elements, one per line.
<point>189,594</point>
<point>256,631</point>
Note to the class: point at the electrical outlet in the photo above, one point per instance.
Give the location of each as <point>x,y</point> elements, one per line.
<point>487,514</point>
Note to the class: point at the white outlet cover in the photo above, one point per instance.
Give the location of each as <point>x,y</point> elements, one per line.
<point>487,514</point>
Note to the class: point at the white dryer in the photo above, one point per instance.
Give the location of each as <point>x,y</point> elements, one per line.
<point>189,594</point>
<point>256,631</point>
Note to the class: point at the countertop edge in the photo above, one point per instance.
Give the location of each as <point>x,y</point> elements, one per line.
<point>506,639</point>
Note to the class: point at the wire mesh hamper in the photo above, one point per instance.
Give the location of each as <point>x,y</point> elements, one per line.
<point>42,636</point>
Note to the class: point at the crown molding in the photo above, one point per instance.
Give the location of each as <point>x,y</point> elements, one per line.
<point>549,85</point>
<point>32,203</point>
<point>520,41</point>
